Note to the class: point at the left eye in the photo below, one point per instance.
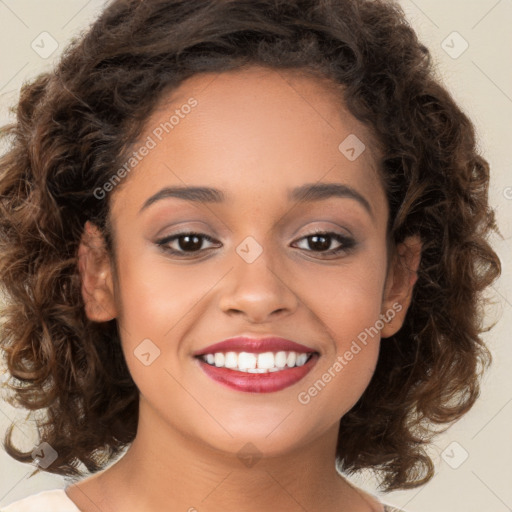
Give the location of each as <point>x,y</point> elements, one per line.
<point>322,240</point>
<point>189,242</point>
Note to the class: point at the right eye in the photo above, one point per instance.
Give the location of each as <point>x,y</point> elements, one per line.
<point>187,243</point>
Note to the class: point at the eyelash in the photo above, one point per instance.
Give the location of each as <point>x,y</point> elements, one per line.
<point>348,243</point>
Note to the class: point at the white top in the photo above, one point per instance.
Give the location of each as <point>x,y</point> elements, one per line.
<point>56,500</point>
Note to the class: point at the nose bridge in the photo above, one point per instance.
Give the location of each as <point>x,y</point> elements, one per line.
<point>258,284</point>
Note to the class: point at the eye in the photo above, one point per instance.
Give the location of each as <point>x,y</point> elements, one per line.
<point>320,241</point>
<point>187,242</point>
<point>191,242</point>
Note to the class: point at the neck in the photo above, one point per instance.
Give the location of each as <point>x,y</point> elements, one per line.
<point>166,469</point>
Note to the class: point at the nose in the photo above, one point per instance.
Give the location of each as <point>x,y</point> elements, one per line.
<point>260,290</point>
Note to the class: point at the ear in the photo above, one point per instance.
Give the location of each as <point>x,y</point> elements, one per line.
<point>402,275</point>
<point>96,275</point>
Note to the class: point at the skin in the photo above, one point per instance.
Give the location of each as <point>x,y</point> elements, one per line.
<point>254,134</point>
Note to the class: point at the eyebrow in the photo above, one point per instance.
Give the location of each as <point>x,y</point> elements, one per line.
<point>305,193</point>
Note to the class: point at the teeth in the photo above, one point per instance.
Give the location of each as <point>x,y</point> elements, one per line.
<point>246,360</point>
<point>266,360</point>
<point>256,363</point>
<point>301,359</point>
<point>230,360</point>
<point>291,359</point>
<point>280,359</point>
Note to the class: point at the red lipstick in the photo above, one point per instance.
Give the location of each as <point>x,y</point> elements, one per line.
<point>273,380</point>
<point>245,344</point>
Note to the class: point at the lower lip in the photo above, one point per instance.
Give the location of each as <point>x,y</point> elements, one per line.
<point>258,382</point>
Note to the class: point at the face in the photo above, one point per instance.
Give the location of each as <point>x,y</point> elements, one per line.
<point>251,264</point>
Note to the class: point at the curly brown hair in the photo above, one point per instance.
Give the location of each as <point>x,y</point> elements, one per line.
<point>75,125</point>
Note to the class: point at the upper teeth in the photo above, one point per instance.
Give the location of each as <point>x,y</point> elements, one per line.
<point>256,363</point>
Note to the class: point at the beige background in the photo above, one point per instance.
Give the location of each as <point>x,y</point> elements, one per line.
<point>480,79</point>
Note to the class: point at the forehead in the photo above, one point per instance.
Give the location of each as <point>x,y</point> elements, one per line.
<point>257,129</point>
<point>263,100</point>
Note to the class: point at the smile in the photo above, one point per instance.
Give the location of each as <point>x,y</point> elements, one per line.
<point>257,372</point>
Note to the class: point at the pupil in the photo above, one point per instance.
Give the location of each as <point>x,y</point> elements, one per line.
<point>320,246</point>
<point>190,245</point>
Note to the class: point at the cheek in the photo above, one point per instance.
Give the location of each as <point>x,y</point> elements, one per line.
<point>348,307</point>
<point>348,299</point>
<point>157,302</point>
<point>162,302</point>
<point>155,293</point>
<point>343,374</point>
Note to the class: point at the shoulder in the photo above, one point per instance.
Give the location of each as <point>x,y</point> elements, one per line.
<point>55,500</point>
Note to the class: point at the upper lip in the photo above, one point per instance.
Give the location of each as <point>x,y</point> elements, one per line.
<point>254,345</point>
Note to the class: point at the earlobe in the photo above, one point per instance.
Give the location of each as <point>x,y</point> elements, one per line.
<point>96,275</point>
<point>402,277</point>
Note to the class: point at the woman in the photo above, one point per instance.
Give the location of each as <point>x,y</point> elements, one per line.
<point>246,240</point>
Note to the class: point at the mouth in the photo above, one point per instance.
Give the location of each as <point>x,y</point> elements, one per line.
<point>262,372</point>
